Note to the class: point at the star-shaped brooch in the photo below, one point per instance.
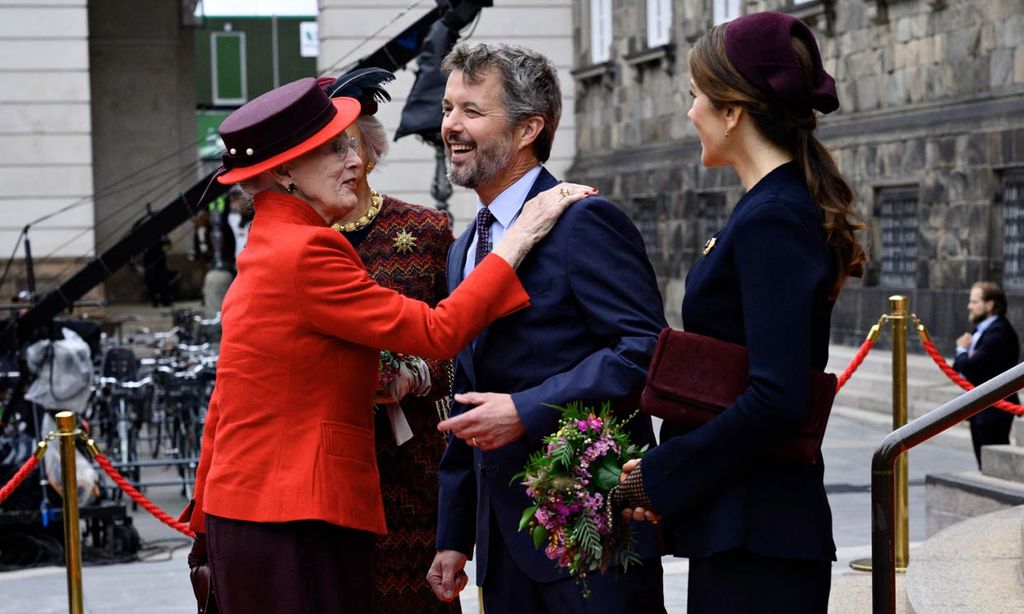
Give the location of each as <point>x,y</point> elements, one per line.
<point>404,242</point>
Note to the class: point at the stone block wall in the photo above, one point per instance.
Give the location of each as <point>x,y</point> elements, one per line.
<point>932,101</point>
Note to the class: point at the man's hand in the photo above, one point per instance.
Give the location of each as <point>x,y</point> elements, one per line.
<point>447,576</point>
<point>964,340</point>
<point>492,424</point>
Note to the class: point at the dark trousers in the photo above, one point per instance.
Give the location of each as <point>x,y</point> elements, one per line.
<point>990,428</point>
<point>739,582</point>
<point>510,591</point>
<point>303,567</point>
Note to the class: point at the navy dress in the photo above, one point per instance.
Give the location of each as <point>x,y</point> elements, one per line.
<point>758,529</point>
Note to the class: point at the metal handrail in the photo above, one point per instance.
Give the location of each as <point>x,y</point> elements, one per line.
<point>883,485</point>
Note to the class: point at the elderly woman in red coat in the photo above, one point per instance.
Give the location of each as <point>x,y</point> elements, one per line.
<point>287,489</point>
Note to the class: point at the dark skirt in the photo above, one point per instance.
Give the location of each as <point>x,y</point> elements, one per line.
<point>739,582</point>
<point>408,483</point>
<point>300,567</point>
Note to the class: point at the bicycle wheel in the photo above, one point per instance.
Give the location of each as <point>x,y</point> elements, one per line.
<point>185,449</point>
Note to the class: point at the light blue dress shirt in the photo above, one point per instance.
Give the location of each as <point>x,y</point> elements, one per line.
<point>505,209</point>
<point>977,334</point>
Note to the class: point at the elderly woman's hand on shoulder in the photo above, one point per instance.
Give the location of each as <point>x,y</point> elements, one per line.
<point>537,219</point>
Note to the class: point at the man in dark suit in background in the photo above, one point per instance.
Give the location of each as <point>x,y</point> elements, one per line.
<point>589,334</point>
<point>985,353</point>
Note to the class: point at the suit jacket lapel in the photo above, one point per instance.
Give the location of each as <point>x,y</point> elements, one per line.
<point>544,181</point>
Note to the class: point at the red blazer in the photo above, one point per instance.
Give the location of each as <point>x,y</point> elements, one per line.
<point>289,432</point>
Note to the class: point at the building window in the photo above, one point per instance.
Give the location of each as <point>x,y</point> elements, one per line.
<point>898,223</point>
<point>645,217</point>
<point>726,10</point>
<point>227,64</point>
<point>600,30</point>
<point>1013,230</point>
<point>659,22</point>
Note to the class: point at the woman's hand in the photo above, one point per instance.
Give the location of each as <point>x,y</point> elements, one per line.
<point>413,378</point>
<point>537,219</point>
<point>636,513</point>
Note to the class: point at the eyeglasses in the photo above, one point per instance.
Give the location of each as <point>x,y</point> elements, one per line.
<point>344,143</point>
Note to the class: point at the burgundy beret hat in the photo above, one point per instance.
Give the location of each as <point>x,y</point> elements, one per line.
<point>759,46</point>
<point>281,125</point>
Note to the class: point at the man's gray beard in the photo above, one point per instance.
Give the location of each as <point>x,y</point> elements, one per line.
<point>486,168</point>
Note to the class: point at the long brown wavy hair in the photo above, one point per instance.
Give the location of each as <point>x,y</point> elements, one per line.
<point>793,130</point>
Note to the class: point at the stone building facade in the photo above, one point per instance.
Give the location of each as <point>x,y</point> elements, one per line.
<point>930,134</point>
<point>98,118</point>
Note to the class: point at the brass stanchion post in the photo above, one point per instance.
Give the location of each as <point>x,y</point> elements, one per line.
<point>899,315</point>
<point>69,482</point>
<point>899,307</point>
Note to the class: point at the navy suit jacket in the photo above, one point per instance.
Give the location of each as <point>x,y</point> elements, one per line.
<point>765,284</point>
<point>588,334</point>
<point>997,350</point>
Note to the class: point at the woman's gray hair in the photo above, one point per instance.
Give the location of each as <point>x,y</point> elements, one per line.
<point>529,84</point>
<point>375,139</point>
<point>259,183</point>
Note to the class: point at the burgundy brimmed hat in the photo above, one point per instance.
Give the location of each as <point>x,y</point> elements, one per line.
<point>759,46</point>
<point>281,125</point>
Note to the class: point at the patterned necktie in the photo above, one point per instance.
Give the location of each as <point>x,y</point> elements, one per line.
<point>484,218</point>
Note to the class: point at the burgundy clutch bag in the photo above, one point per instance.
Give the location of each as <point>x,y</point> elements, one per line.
<point>693,378</point>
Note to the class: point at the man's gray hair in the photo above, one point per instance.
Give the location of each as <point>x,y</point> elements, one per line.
<point>529,84</point>
<point>375,139</point>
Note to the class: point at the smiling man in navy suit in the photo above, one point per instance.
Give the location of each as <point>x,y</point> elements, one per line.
<point>589,334</point>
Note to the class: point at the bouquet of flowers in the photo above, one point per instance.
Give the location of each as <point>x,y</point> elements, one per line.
<point>570,481</point>
<point>390,363</point>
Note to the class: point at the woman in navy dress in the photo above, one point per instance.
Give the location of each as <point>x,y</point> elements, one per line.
<point>758,528</point>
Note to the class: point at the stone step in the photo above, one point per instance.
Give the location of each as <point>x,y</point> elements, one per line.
<point>970,568</point>
<point>951,498</point>
<point>1005,462</point>
<point>881,401</point>
<point>879,360</point>
<point>938,391</point>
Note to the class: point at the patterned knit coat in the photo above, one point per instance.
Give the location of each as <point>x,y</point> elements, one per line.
<point>405,248</point>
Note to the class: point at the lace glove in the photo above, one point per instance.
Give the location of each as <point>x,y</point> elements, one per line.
<point>628,494</point>
<point>631,492</point>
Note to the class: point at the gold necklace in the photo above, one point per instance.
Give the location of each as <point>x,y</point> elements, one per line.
<point>375,202</point>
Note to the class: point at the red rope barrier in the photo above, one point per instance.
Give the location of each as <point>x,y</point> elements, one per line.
<point>18,478</point>
<point>139,498</point>
<point>855,363</point>
<point>940,361</point>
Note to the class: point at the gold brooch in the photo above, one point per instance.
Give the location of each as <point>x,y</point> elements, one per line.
<point>404,242</point>
<point>710,245</point>
<point>375,202</point>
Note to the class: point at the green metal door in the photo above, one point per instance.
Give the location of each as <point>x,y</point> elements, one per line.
<point>227,62</point>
